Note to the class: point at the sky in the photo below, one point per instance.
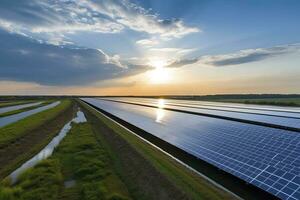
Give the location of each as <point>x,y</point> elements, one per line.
<point>149,47</point>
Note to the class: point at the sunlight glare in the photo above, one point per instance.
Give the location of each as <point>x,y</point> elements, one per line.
<point>159,74</point>
<point>157,63</point>
<point>161,103</point>
<point>160,112</point>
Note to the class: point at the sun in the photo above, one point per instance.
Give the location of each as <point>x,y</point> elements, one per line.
<point>157,63</point>
<point>160,74</point>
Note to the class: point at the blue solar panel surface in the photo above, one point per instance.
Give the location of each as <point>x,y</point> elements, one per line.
<point>270,117</point>
<point>269,110</point>
<point>266,157</point>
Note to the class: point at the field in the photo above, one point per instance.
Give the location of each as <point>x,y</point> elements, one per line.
<point>20,140</point>
<point>80,161</point>
<point>97,159</point>
<point>101,159</point>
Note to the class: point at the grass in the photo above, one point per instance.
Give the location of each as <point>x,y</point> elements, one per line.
<point>41,182</point>
<point>13,131</point>
<point>14,103</point>
<point>21,140</point>
<point>80,158</point>
<point>86,161</point>
<point>189,182</point>
<point>13,112</point>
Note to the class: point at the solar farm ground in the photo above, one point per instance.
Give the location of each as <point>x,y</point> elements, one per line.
<point>96,159</point>
<point>263,156</point>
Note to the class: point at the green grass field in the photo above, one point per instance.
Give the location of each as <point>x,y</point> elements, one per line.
<point>79,158</point>
<point>22,139</point>
<point>13,131</point>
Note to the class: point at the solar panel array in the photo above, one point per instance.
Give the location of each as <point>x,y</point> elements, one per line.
<point>268,158</point>
<point>292,121</point>
<point>271,110</point>
<point>222,104</point>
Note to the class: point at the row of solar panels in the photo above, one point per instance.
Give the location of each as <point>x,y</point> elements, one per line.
<point>268,158</point>
<point>247,107</point>
<point>285,119</point>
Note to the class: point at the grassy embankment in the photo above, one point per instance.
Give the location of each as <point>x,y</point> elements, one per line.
<point>147,172</point>
<point>79,159</point>
<point>13,112</point>
<point>22,139</point>
<point>14,103</point>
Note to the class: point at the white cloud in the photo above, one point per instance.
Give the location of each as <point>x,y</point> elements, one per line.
<point>147,42</point>
<point>240,57</point>
<point>70,16</point>
<point>179,51</point>
<point>248,55</point>
<point>139,19</point>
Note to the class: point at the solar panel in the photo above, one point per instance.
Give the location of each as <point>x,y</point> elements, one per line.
<point>272,110</point>
<point>222,104</point>
<point>268,158</point>
<point>285,121</point>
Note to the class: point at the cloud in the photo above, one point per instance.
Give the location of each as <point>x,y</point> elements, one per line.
<point>57,18</point>
<point>248,55</point>
<point>240,57</point>
<point>139,19</point>
<point>38,16</point>
<point>147,42</point>
<point>178,51</point>
<point>181,63</point>
<point>25,59</point>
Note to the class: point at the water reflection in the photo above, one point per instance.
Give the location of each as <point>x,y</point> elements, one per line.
<point>11,108</point>
<point>160,112</point>
<point>13,118</point>
<point>48,150</point>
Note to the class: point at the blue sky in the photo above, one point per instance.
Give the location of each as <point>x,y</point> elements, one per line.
<point>115,46</point>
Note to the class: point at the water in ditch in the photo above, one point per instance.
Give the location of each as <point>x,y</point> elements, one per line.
<point>48,150</point>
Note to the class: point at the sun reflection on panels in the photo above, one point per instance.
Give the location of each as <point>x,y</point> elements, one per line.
<point>160,112</point>
<point>161,103</point>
